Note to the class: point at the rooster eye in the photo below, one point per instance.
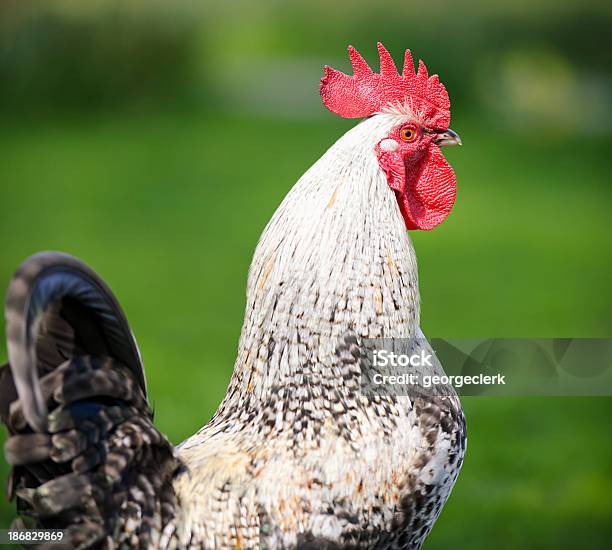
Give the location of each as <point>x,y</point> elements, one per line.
<point>408,133</point>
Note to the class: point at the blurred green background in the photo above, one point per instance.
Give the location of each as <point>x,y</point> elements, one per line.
<point>154,140</point>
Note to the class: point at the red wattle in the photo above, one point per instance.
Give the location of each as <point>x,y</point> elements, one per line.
<point>430,191</point>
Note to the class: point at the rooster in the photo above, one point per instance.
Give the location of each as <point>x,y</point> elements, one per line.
<point>296,456</point>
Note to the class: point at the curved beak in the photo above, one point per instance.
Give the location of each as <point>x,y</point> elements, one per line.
<point>447,137</point>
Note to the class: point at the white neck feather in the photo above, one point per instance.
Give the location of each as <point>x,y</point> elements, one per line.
<point>335,257</point>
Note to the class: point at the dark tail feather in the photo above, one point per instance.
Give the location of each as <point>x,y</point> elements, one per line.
<point>8,393</point>
<point>56,308</point>
<point>72,354</point>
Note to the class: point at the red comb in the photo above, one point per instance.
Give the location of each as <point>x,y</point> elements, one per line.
<point>367,92</point>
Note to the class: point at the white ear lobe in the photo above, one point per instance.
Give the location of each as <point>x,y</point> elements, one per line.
<point>388,145</point>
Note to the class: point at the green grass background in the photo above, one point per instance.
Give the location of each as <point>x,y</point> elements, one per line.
<point>168,209</point>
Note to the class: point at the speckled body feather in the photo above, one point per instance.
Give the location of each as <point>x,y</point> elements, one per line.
<point>296,455</point>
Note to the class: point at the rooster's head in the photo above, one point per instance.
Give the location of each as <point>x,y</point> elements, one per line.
<point>409,154</point>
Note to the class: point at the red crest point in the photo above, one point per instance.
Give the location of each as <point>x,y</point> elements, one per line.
<point>366,92</point>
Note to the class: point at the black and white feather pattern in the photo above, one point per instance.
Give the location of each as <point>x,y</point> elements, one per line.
<point>85,454</point>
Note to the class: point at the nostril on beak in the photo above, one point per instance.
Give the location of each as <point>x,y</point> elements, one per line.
<point>447,137</point>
